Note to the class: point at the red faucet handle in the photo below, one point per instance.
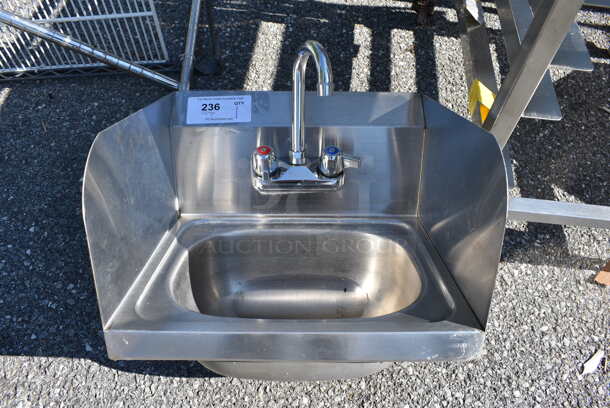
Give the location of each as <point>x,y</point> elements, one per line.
<point>264,150</point>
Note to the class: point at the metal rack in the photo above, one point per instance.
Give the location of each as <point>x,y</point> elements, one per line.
<point>129,29</point>
<point>537,34</point>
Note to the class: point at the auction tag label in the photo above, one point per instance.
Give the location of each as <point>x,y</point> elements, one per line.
<point>203,110</point>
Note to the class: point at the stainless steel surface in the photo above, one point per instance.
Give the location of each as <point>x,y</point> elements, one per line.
<point>572,53</point>
<point>129,29</point>
<point>516,16</point>
<point>551,22</point>
<point>325,88</point>
<point>458,204</point>
<point>269,286</point>
<point>556,212</point>
<point>85,49</point>
<point>189,48</point>
<point>128,200</point>
<point>369,125</point>
<point>508,164</point>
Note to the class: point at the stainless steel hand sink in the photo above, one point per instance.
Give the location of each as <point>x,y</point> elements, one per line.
<point>191,262</point>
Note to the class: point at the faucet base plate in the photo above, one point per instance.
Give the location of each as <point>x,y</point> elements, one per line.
<point>296,179</point>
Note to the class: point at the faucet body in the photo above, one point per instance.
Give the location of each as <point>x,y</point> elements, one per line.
<point>300,174</point>
<point>325,88</point>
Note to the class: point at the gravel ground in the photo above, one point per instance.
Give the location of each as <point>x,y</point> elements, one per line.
<point>547,315</point>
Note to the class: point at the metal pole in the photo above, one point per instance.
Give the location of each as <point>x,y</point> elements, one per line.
<point>189,50</point>
<point>478,64</point>
<point>552,22</point>
<point>83,48</point>
<point>557,212</point>
<point>598,3</point>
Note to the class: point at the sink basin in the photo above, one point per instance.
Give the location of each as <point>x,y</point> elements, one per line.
<point>303,271</point>
<point>192,263</point>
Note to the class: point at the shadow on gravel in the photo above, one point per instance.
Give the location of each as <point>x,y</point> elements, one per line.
<point>238,23</point>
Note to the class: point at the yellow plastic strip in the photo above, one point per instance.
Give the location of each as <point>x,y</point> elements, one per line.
<point>482,95</point>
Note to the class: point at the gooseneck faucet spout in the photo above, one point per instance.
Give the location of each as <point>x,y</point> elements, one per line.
<point>303,173</point>
<point>325,88</point>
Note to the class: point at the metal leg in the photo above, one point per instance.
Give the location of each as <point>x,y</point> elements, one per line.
<point>516,17</point>
<point>207,63</point>
<point>85,49</point>
<point>189,49</point>
<point>555,212</point>
<point>598,3</point>
<point>424,10</point>
<point>551,23</point>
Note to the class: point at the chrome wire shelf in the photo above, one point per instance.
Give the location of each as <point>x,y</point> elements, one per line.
<point>127,28</point>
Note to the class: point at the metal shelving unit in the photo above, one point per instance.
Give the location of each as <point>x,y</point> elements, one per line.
<point>537,34</point>
<point>128,29</point>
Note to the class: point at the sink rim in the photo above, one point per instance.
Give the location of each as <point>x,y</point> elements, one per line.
<point>155,304</point>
